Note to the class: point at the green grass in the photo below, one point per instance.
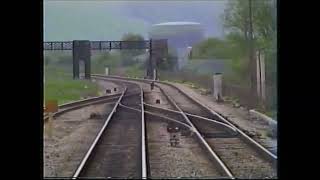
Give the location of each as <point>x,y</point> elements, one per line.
<point>60,86</point>
<point>135,71</point>
<point>272,114</point>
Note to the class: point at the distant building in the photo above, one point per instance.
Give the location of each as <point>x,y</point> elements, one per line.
<point>181,37</point>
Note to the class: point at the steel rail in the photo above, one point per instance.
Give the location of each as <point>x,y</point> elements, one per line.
<point>82,103</point>
<point>84,100</point>
<point>194,129</point>
<point>143,138</point>
<point>272,157</point>
<point>196,116</point>
<point>248,139</point>
<point>157,115</point>
<point>84,160</point>
<point>213,154</point>
<point>88,100</point>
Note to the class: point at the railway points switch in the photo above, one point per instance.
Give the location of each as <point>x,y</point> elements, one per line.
<point>174,139</point>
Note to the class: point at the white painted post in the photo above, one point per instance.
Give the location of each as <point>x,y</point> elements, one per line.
<point>189,52</point>
<point>107,71</point>
<point>258,74</point>
<point>263,76</point>
<point>217,86</point>
<point>154,74</point>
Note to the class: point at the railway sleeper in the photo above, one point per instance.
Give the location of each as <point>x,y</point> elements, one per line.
<point>218,135</point>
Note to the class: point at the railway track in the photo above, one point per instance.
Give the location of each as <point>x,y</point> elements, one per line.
<point>82,103</point>
<point>159,166</point>
<point>241,156</point>
<point>118,151</point>
<point>85,102</point>
<point>242,160</point>
<point>121,150</point>
<point>217,167</point>
<point>189,159</point>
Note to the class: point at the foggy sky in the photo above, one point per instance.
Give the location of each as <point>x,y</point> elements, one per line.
<point>109,20</point>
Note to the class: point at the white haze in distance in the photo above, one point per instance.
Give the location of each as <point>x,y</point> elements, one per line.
<point>109,20</point>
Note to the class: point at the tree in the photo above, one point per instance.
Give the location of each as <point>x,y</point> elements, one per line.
<point>252,60</point>
<point>105,59</point>
<point>237,19</point>
<point>211,48</point>
<point>254,21</point>
<point>127,55</point>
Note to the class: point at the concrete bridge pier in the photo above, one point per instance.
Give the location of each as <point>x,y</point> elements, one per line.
<point>81,51</point>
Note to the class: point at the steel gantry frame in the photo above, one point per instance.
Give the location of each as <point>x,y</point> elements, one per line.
<point>81,51</point>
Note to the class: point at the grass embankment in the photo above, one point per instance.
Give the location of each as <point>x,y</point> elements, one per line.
<point>60,86</point>
<point>135,71</point>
